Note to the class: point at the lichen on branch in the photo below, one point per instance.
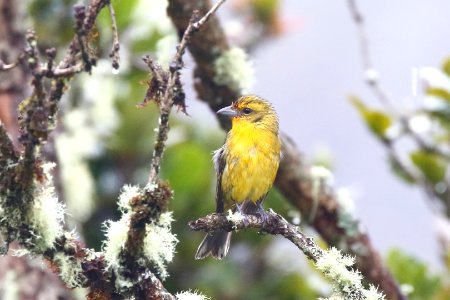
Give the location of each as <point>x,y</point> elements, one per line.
<point>338,267</point>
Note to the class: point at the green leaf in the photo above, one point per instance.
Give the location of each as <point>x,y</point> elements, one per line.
<point>440,93</point>
<point>377,121</point>
<point>265,10</point>
<point>443,117</point>
<point>431,165</point>
<point>446,66</point>
<point>400,172</point>
<point>410,271</point>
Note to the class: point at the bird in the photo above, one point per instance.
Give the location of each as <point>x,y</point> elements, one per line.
<point>246,166</point>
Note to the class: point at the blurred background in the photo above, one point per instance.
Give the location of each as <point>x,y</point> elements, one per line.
<point>306,60</point>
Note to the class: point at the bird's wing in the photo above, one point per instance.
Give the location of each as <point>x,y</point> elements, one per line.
<point>219,165</point>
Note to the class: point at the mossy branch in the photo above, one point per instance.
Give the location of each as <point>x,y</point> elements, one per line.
<point>347,282</point>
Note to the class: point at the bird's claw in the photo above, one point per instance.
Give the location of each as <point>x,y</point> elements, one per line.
<point>241,211</point>
<point>264,217</point>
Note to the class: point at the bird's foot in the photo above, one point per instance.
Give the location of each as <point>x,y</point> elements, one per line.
<point>264,217</point>
<point>244,215</point>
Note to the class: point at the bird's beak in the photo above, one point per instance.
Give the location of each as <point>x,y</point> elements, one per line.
<point>228,111</point>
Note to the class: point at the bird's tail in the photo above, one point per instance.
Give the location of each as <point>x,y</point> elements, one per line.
<point>216,244</point>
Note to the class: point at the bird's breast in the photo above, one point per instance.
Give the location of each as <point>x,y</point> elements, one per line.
<point>252,159</point>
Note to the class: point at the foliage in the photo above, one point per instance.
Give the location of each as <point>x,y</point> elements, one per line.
<point>427,128</point>
<point>416,277</point>
<point>377,120</point>
<point>432,166</point>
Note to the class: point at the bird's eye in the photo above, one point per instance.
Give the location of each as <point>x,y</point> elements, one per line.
<point>246,110</point>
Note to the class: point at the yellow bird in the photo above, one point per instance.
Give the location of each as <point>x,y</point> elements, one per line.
<point>246,166</point>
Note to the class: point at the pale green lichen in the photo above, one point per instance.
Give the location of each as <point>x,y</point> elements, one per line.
<point>80,293</point>
<point>333,297</point>
<point>70,270</point>
<point>93,120</point>
<point>234,70</point>
<point>321,181</point>
<point>406,289</point>
<point>150,187</point>
<point>346,212</point>
<point>372,293</point>
<point>47,213</point>
<point>116,237</point>
<point>76,179</point>
<point>234,217</point>
<point>191,295</point>
<point>21,252</point>
<point>149,17</point>
<point>128,193</point>
<point>346,281</point>
<point>159,243</point>
<point>335,266</point>
<point>2,211</point>
<point>122,283</point>
<point>10,289</point>
<point>321,175</point>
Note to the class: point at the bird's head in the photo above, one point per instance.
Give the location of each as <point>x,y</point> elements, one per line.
<point>252,110</point>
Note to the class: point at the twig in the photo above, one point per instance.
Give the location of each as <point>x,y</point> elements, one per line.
<point>208,15</point>
<point>115,56</point>
<point>371,74</point>
<point>273,224</point>
<point>65,72</point>
<point>174,94</point>
<point>6,67</point>
<point>422,143</point>
<point>81,33</point>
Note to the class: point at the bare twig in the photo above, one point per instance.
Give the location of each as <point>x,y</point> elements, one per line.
<point>65,72</point>
<point>371,74</point>
<point>6,67</point>
<point>115,56</point>
<point>80,17</point>
<point>174,94</point>
<point>208,15</point>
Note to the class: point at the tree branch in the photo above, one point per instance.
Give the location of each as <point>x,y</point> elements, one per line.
<point>114,54</point>
<point>334,266</point>
<point>371,74</point>
<point>273,224</point>
<point>173,94</point>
